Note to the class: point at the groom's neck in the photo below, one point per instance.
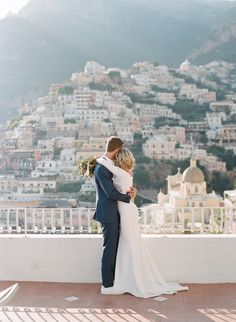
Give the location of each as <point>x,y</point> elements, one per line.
<point>110,155</point>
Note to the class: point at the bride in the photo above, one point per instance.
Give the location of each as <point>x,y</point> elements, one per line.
<point>135,271</point>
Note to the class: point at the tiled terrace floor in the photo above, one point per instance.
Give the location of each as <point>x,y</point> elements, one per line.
<point>45,302</point>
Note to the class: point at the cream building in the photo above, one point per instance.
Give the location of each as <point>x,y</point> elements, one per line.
<point>159,147</point>
<point>166,98</point>
<point>230,198</point>
<point>185,67</point>
<point>188,190</point>
<point>93,68</point>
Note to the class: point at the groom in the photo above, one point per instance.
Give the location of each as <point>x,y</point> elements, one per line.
<point>107,211</point>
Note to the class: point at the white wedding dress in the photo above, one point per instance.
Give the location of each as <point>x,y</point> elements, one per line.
<point>135,271</point>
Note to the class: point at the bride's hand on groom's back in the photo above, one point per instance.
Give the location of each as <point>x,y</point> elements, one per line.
<point>132,192</point>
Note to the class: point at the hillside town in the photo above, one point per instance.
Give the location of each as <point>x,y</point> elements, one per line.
<point>162,114</point>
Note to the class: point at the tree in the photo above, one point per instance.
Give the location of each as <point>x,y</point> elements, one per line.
<point>137,149</point>
<point>221,182</point>
<point>155,63</point>
<point>162,121</point>
<point>220,95</point>
<point>142,177</point>
<point>115,76</point>
<point>139,201</point>
<point>69,187</point>
<point>224,155</point>
<point>190,111</point>
<point>66,90</point>
<point>70,121</point>
<point>100,87</point>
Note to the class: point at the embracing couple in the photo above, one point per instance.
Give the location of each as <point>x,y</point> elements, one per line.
<point>127,266</point>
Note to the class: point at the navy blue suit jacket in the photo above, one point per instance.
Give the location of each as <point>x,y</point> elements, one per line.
<point>107,196</point>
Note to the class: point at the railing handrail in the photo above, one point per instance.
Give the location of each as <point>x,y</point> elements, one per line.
<point>153,219</point>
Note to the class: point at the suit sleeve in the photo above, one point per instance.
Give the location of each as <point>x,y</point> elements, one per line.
<point>109,189</point>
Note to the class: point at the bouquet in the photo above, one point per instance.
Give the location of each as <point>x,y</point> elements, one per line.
<point>87,166</point>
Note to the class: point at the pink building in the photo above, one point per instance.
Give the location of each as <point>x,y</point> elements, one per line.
<point>177,131</point>
<point>208,97</point>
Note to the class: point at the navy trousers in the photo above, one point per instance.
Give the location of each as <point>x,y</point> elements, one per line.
<point>111,234</point>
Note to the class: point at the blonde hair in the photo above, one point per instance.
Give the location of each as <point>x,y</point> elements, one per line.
<point>125,159</point>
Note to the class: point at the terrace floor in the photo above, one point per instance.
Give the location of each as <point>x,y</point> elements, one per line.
<point>45,302</point>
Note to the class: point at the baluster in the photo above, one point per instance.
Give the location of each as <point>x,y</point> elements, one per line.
<point>202,220</point>
<point>71,222</point>
<point>17,220</point>
<point>173,221</point>
<point>63,228</point>
<point>89,221</point>
<point>157,215</point>
<point>33,223</point>
<point>8,221</point>
<point>44,227</point>
<point>192,219</point>
<point>26,222</point>
<point>145,221</point>
<point>53,221</point>
<point>164,221</point>
<point>221,220</point>
<point>211,220</point>
<point>230,220</point>
<point>80,221</point>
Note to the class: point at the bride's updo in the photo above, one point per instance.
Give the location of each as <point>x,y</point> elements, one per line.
<point>125,159</point>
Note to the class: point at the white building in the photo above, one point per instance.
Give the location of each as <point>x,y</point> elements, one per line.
<point>166,98</point>
<point>185,67</point>
<point>230,198</point>
<point>46,168</point>
<point>188,91</point>
<point>67,157</point>
<point>214,120</point>
<point>88,115</point>
<point>88,187</point>
<point>124,133</point>
<point>93,68</point>
<point>222,106</point>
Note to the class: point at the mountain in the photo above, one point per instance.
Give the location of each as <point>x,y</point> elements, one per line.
<point>122,32</point>
<point>30,60</point>
<point>49,39</point>
<point>222,44</point>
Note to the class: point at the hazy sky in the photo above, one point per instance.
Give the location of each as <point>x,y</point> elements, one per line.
<point>14,6</point>
<point>11,6</point>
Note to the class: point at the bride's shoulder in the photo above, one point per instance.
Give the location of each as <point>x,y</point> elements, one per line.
<point>124,172</point>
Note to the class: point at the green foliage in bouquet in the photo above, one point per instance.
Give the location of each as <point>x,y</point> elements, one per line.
<point>87,166</point>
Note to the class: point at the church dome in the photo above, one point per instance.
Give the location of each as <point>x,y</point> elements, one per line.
<point>186,65</point>
<point>193,174</point>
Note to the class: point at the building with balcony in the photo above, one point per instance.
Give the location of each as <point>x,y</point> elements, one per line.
<point>222,106</point>
<point>159,147</point>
